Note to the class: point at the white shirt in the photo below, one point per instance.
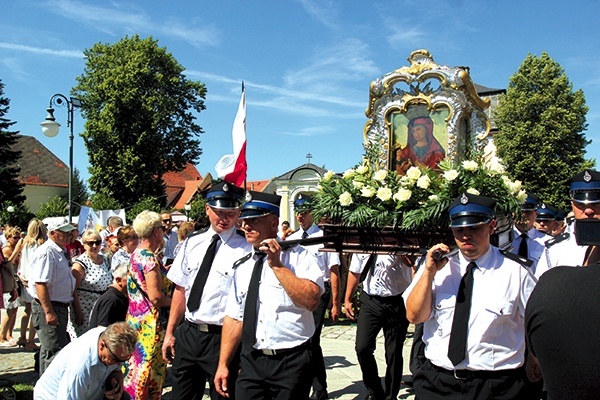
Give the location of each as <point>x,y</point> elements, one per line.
<point>535,245</point>
<point>231,248</point>
<point>496,338</point>
<point>76,373</point>
<point>281,323</point>
<point>564,253</point>
<point>389,276</point>
<point>51,265</point>
<point>326,259</point>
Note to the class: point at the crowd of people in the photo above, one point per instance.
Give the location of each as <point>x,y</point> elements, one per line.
<point>235,306</point>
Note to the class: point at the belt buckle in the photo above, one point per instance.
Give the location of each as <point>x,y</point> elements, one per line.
<point>269,352</point>
<point>458,373</point>
<point>203,328</point>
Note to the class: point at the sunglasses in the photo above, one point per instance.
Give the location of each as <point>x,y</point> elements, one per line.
<point>113,355</point>
<point>94,243</point>
<point>166,221</point>
<point>16,237</point>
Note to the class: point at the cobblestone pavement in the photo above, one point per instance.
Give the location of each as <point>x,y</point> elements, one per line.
<point>337,340</point>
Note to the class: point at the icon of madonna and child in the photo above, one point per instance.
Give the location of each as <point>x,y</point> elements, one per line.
<point>415,142</point>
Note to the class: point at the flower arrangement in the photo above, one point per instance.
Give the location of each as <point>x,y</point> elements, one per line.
<point>367,197</point>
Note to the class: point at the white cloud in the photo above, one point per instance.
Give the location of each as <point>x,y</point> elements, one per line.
<point>323,11</point>
<point>41,50</point>
<point>311,131</point>
<point>117,17</point>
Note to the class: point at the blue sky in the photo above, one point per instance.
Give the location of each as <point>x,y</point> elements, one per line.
<point>307,65</point>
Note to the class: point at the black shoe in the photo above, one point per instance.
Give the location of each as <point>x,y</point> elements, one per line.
<point>319,395</point>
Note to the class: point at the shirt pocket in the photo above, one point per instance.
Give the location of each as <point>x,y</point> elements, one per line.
<point>501,309</point>
<point>274,293</point>
<point>444,308</point>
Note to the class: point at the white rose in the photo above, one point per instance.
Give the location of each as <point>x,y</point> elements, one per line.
<point>357,184</point>
<point>380,175</point>
<point>349,173</point>
<point>406,181</point>
<point>434,197</point>
<point>361,169</point>
<point>473,191</point>
<point>423,182</point>
<point>384,193</point>
<point>413,173</point>
<point>345,199</point>
<point>489,151</point>
<point>495,165</point>
<point>516,186</point>
<point>470,165</point>
<point>367,191</point>
<point>402,195</point>
<point>451,174</point>
<point>328,175</point>
<point>522,196</point>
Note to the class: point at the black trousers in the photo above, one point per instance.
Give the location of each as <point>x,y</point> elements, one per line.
<point>432,383</point>
<point>196,360</point>
<point>52,337</point>
<point>377,313</point>
<point>285,376</point>
<point>319,382</point>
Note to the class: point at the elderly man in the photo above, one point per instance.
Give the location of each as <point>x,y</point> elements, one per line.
<point>473,307</point>
<point>269,311</point>
<point>202,273</point>
<point>330,267</point>
<point>51,284</point>
<point>562,317</point>
<point>89,367</point>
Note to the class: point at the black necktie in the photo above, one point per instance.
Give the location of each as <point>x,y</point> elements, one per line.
<point>251,307</point>
<point>368,267</point>
<point>457,347</point>
<point>523,246</point>
<point>193,302</point>
<point>304,235</point>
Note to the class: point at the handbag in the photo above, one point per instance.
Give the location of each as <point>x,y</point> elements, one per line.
<point>8,278</point>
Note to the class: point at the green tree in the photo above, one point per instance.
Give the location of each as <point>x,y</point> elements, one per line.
<point>140,112</point>
<point>541,122</point>
<point>104,201</point>
<point>10,187</point>
<point>55,207</point>
<point>149,203</point>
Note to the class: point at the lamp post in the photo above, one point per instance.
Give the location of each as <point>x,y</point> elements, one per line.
<point>50,128</point>
<point>187,208</point>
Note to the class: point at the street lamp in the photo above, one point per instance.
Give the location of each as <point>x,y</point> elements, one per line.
<point>50,128</point>
<point>187,208</point>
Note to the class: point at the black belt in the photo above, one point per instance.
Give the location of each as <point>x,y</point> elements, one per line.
<point>56,304</point>
<point>206,328</point>
<point>279,352</point>
<point>469,374</point>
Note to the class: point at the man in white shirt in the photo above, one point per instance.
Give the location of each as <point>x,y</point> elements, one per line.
<point>202,273</point>
<point>473,307</point>
<point>89,367</point>
<point>269,310</point>
<point>330,267</point>
<point>51,284</point>
<point>384,278</point>
<point>170,236</point>
<point>528,242</point>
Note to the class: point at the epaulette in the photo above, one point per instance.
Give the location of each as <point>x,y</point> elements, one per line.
<point>242,260</point>
<point>240,232</point>
<point>557,239</point>
<point>199,231</point>
<point>517,258</point>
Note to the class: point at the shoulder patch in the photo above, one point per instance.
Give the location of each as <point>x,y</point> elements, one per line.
<point>242,260</point>
<point>199,231</point>
<point>560,238</point>
<point>240,232</point>
<point>517,258</point>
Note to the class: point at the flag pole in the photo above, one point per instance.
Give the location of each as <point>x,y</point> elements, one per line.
<point>245,177</point>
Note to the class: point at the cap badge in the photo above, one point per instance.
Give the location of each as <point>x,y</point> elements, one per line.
<point>587,176</point>
<point>248,196</point>
<point>225,187</point>
<point>543,206</point>
<point>464,199</point>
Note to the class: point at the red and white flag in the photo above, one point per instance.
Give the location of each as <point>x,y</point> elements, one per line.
<point>232,167</point>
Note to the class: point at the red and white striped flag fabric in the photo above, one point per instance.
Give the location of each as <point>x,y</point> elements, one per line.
<point>232,167</point>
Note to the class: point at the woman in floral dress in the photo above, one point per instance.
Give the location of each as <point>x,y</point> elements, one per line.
<point>92,272</point>
<point>149,291</point>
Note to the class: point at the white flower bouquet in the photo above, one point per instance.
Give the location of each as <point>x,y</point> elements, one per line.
<point>416,202</point>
